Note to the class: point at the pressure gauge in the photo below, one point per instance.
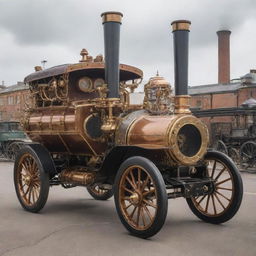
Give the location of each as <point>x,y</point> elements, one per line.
<point>98,82</point>
<point>85,84</point>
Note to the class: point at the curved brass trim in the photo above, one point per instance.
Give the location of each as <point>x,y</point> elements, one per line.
<point>172,133</point>
<point>180,25</point>
<point>111,17</point>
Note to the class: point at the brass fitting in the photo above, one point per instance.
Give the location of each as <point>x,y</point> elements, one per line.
<point>182,104</point>
<point>77,178</point>
<point>180,25</point>
<point>111,17</point>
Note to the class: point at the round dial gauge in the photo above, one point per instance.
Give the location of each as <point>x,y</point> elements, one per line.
<point>98,82</point>
<point>85,84</point>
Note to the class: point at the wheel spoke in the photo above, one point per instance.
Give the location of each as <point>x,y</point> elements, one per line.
<point>128,190</point>
<point>213,168</point>
<point>219,201</point>
<point>214,206</point>
<point>224,168</point>
<point>145,183</point>
<point>131,183</point>
<point>149,192</point>
<point>223,196</point>
<point>223,181</point>
<point>133,179</point>
<point>149,203</point>
<point>229,189</point>
<point>201,199</point>
<point>207,203</point>
<point>131,216</point>
<point>138,216</point>
<point>148,212</point>
<point>139,177</point>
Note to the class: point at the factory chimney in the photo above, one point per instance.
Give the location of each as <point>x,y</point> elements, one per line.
<point>223,56</point>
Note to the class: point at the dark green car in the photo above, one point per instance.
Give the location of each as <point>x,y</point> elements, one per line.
<point>12,139</point>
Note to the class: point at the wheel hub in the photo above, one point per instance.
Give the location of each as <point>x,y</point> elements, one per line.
<point>135,198</point>
<point>27,180</point>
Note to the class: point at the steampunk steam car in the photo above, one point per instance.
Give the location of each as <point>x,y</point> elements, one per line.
<point>86,133</point>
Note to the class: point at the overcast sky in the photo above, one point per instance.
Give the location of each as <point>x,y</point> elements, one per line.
<point>56,30</point>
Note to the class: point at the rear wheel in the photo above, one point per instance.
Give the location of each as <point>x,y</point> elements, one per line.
<point>30,180</point>
<point>221,205</point>
<point>140,197</point>
<point>98,193</point>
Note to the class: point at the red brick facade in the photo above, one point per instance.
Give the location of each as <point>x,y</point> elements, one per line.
<point>12,102</point>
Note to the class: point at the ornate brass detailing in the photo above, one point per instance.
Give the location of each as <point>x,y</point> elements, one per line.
<point>77,178</point>
<point>111,17</point>
<point>38,68</point>
<point>85,84</point>
<point>180,25</point>
<point>188,139</point>
<point>182,104</point>
<point>84,54</point>
<point>158,98</point>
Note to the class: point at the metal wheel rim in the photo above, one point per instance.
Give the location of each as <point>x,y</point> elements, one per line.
<point>139,211</point>
<point>28,180</point>
<point>218,202</point>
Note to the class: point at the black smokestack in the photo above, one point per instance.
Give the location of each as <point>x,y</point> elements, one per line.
<point>111,22</point>
<point>180,38</point>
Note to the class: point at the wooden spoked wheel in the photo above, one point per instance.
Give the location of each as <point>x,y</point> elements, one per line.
<point>98,193</point>
<point>222,204</point>
<point>31,182</point>
<point>140,197</point>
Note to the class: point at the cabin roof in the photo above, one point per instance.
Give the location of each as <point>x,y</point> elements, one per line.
<point>127,72</point>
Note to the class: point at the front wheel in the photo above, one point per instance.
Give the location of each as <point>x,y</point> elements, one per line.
<point>223,203</point>
<point>140,197</point>
<point>30,180</point>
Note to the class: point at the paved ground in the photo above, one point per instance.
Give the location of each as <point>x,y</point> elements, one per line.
<point>74,224</point>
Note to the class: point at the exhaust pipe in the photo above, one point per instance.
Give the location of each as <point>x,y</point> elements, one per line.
<point>111,22</point>
<point>181,30</point>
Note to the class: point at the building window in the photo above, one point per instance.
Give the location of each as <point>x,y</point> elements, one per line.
<point>10,100</point>
<point>199,103</point>
<point>2,101</point>
<point>18,99</point>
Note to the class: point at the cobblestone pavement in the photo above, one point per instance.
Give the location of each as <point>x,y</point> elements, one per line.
<point>74,224</point>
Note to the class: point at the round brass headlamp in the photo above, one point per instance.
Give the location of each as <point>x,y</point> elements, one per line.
<point>188,139</point>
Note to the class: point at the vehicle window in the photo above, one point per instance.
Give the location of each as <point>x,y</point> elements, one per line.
<point>3,127</point>
<point>15,127</point>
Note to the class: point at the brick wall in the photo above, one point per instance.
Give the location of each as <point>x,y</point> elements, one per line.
<point>12,105</point>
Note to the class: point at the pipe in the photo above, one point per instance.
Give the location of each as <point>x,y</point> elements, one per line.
<point>111,22</point>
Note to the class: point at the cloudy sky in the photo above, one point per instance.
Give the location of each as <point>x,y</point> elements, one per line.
<point>56,30</point>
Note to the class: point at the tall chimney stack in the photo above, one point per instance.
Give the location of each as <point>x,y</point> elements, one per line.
<point>111,23</point>
<point>223,56</point>
<point>180,29</point>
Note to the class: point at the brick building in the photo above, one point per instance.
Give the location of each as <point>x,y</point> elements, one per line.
<point>12,101</point>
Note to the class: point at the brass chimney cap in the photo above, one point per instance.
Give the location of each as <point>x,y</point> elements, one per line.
<point>180,25</point>
<point>111,16</point>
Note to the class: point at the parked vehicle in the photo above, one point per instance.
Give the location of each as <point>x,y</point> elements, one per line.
<point>12,139</point>
<point>86,133</point>
<point>236,138</point>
